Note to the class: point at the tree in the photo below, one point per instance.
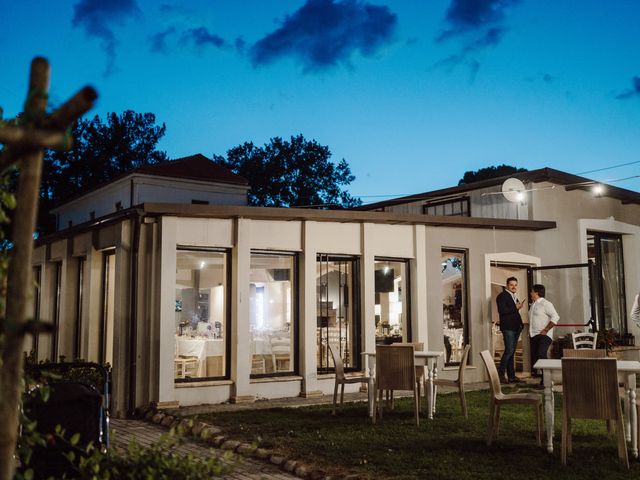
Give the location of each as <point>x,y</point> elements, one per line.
<point>102,151</point>
<point>291,173</point>
<point>488,173</point>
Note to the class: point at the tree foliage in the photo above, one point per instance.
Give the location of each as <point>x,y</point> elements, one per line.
<point>103,150</point>
<point>291,174</point>
<point>488,173</point>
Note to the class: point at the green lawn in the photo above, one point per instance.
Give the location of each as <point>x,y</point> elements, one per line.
<point>447,447</point>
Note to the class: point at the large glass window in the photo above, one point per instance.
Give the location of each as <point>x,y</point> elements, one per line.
<point>201,315</point>
<point>338,320</point>
<point>455,207</point>
<point>272,313</point>
<point>605,250</point>
<point>392,312</point>
<point>454,304</point>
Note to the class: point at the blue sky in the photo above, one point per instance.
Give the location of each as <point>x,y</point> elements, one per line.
<point>411,93</point>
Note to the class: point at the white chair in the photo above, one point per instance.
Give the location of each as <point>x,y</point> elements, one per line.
<point>186,366</point>
<point>342,380</point>
<point>281,350</point>
<point>584,340</point>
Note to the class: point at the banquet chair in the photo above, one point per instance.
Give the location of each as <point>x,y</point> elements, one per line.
<point>420,378</point>
<point>584,340</point>
<point>258,364</point>
<point>583,353</point>
<point>186,366</point>
<point>395,370</point>
<point>498,399</point>
<point>458,383</point>
<point>590,390</point>
<point>281,350</point>
<point>342,380</point>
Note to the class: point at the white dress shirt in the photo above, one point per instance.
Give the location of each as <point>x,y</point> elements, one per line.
<point>541,313</point>
<point>635,311</point>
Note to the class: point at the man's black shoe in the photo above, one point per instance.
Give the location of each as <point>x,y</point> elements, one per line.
<point>514,380</point>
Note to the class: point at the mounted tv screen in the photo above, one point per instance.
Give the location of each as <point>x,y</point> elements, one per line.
<point>384,280</point>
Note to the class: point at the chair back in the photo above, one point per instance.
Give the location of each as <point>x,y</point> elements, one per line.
<point>584,340</point>
<point>337,362</point>
<point>583,353</point>
<point>463,363</point>
<point>395,367</point>
<point>492,371</point>
<point>590,388</point>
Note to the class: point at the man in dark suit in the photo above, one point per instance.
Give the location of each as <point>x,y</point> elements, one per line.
<point>510,325</point>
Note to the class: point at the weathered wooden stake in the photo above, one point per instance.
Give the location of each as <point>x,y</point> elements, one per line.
<point>24,145</point>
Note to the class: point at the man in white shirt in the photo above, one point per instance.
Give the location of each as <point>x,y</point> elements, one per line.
<point>635,311</point>
<point>542,318</point>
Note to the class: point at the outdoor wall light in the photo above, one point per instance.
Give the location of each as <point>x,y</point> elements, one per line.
<point>598,189</point>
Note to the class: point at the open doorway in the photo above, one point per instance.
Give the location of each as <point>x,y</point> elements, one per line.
<point>499,274</point>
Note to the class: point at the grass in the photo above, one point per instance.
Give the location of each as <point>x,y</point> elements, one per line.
<point>448,447</point>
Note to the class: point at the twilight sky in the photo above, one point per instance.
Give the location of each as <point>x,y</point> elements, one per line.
<point>411,93</point>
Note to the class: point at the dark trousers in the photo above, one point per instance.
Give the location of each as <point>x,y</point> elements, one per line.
<point>510,338</point>
<point>539,347</point>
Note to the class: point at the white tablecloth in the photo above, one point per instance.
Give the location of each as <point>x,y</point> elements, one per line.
<point>201,348</point>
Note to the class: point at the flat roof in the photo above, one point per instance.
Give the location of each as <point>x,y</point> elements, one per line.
<point>296,214</point>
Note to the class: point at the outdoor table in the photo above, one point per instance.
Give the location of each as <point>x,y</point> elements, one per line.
<point>428,359</point>
<point>552,371</point>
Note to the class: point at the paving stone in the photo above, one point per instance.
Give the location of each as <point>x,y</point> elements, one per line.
<point>166,421</point>
<point>242,468</point>
<point>230,445</point>
<point>246,449</point>
<point>277,459</point>
<point>262,453</point>
<point>218,440</point>
<point>301,471</point>
<point>198,428</point>
<point>157,418</point>
<point>317,475</point>
<point>290,465</point>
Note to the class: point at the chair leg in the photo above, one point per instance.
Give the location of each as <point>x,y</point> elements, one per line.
<point>536,407</point>
<point>416,398</point>
<point>435,394</point>
<point>490,427</point>
<point>565,439</point>
<point>380,406</point>
<point>496,422</point>
<point>569,438</point>
<point>391,394</point>
<point>418,387</point>
<point>622,444</point>
<point>341,394</point>
<point>463,402</point>
<point>335,398</point>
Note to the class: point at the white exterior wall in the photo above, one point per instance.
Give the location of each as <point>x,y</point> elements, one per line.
<point>146,188</point>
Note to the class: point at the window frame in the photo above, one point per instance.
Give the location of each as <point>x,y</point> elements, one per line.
<point>466,327</point>
<point>295,313</point>
<point>407,308</point>
<point>463,200</point>
<point>356,312</point>
<point>227,321</point>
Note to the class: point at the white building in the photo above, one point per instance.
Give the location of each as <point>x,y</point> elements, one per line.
<point>194,179</point>
<point>200,304</point>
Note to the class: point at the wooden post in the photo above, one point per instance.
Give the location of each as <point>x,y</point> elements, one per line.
<point>24,145</point>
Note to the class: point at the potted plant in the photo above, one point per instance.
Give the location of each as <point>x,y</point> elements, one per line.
<point>607,340</point>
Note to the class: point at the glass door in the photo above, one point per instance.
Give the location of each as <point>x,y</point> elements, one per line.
<point>571,290</point>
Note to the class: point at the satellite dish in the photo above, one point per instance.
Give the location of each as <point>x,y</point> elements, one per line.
<point>513,190</point>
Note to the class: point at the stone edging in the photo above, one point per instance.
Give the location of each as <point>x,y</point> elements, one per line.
<point>215,437</point>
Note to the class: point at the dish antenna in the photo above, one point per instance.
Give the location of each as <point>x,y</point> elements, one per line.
<point>513,190</point>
